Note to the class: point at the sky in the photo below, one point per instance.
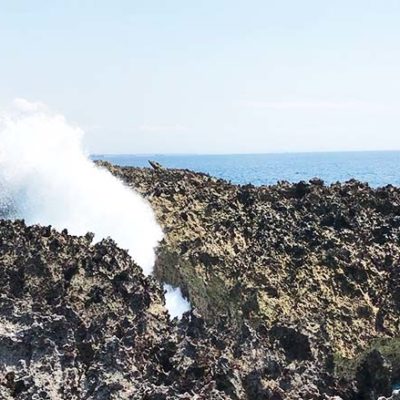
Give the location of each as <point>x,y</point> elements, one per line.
<point>209,76</point>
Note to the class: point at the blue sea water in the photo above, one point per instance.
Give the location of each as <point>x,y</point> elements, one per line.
<point>377,168</point>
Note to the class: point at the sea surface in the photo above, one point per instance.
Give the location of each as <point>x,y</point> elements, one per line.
<point>378,168</point>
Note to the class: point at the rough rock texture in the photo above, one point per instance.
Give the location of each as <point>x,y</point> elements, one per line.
<point>296,292</point>
<point>76,321</point>
<point>315,264</point>
<point>80,321</point>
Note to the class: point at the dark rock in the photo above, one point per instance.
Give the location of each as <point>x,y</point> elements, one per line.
<point>374,376</point>
<point>295,344</point>
<point>155,165</point>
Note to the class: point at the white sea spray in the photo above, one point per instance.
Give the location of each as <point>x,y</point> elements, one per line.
<point>47,178</point>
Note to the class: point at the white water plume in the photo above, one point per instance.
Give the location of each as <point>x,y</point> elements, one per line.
<point>46,178</point>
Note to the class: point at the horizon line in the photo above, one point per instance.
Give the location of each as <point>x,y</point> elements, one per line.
<point>98,154</point>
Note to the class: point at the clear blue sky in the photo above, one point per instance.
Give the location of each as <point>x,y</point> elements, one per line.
<point>210,76</point>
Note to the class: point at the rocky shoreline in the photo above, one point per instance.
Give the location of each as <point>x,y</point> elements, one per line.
<point>295,288</point>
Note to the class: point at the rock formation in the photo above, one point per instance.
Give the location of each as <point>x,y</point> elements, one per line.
<point>295,289</point>
<point>323,260</point>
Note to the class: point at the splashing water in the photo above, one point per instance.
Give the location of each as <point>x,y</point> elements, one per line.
<point>46,178</point>
<point>175,302</point>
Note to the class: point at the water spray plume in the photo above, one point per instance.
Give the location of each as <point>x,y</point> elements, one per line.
<point>46,178</point>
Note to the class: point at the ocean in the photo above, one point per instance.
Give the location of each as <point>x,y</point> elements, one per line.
<point>377,168</point>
